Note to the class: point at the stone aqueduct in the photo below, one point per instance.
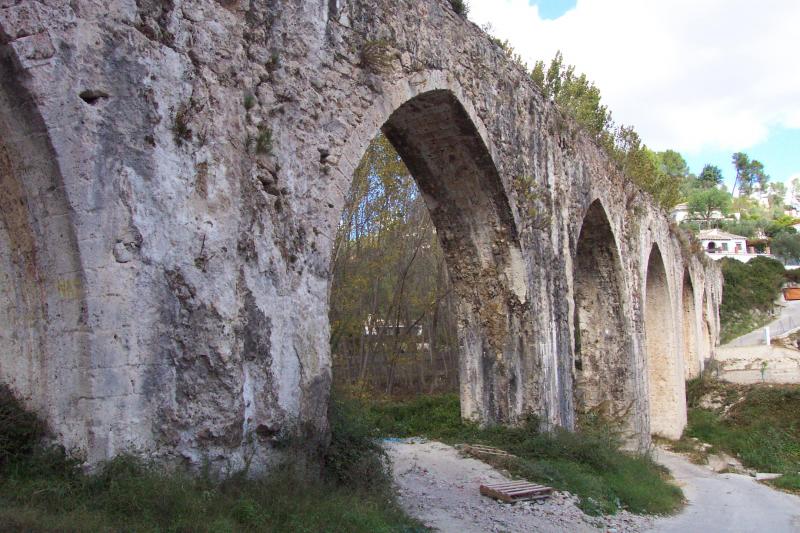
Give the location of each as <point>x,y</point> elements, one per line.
<point>172,174</point>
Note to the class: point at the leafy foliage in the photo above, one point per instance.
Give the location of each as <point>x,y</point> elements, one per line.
<point>264,140</point>
<point>660,174</point>
<point>749,173</point>
<point>391,306</point>
<point>710,176</point>
<point>573,93</point>
<point>376,55</point>
<point>20,430</point>
<point>460,6</point>
<point>355,456</point>
<point>786,245</point>
<point>705,202</point>
<point>673,164</point>
<point>750,288</point>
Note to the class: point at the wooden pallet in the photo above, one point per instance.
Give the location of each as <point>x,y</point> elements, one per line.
<point>515,491</point>
<point>481,452</point>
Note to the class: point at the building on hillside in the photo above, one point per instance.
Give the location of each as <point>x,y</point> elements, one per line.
<point>681,213</point>
<point>719,244</point>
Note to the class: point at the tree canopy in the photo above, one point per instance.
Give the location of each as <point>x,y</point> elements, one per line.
<point>705,202</point>
<point>661,174</point>
<point>749,173</point>
<point>710,176</point>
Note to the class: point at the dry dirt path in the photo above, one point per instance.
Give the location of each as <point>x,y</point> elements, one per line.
<point>440,487</point>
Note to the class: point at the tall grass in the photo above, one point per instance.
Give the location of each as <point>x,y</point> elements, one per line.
<point>761,426</point>
<point>588,463</point>
<point>41,489</point>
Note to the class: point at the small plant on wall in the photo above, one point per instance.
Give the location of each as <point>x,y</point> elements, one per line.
<point>460,6</point>
<point>376,56</point>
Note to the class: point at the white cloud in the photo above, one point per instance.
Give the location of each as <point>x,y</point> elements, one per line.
<point>688,74</point>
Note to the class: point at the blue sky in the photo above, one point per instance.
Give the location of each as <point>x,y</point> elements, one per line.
<point>780,153</point>
<point>552,9</point>
<point>706,78</point>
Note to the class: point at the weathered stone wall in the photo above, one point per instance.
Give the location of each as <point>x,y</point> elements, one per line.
<point>173,173</point>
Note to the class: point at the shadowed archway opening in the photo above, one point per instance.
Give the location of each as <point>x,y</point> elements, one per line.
<point>665,384</point>
<point>603,360</point>
<point>691,355</point>
<point>461,189</point>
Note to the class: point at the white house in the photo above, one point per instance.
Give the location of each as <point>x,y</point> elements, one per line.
<point>719,244</point>
<point>681,212</point>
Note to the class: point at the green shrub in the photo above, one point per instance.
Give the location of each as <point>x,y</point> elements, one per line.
<point>749,294</point>
<point>355,456</point>
<point>460,6</point>
<point>376,55</point>
<point>249,100</point>
<point>264,140</point>
<point>20,430</point>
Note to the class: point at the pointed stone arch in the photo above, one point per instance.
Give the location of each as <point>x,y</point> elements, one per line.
<point>603,357</point>
<point>43,354</point>
<point>664,378</point>
<point>445,153</point>
<point>691,336</point>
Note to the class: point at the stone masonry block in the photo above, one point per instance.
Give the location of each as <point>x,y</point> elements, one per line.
<point>19,21</point>
<point>33,49</point>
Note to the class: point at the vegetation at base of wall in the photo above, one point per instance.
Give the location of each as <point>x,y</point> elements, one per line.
<point>41,489</point>
<point>20,429</point>
<point>588,463</point>
<point>749,294</point>
<point>758,424</point>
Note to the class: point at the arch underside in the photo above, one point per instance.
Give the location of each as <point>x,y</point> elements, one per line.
<point>604,366</point>
<point>691,352</point>
<point>664,375</point>
<point>41,288</point>
<point>445,153</point>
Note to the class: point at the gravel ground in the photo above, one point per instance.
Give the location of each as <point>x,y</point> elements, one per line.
<point>439,486</point>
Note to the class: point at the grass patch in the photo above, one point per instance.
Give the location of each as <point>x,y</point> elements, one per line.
<point>787,482</point>
<point>43,490</point>
<point>738,324</point>
<point>587,463</point>
<point>759,424</point>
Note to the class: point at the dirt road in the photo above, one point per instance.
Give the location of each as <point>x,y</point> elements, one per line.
<point>440,487</point>
<point>727,502</point>
<point>788,319</point>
